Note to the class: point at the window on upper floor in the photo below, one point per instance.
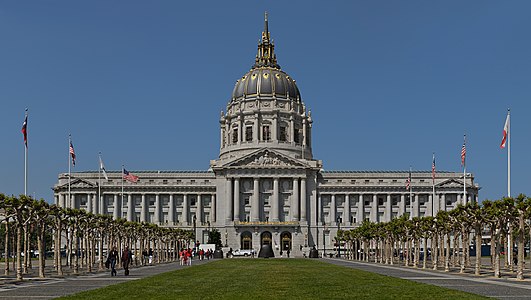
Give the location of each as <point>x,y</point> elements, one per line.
<point>297,136</point>
<point>249,133</point>
<point>235,135</point>
<point>283,135</point>
<point>266,133</point>
<point>192,201</point>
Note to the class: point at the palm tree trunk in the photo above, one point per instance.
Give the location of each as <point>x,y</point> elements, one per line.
<point>40,246</point>
<point>497,257</point>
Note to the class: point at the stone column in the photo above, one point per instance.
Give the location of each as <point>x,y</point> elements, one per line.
<point>374,208</point>
<point>186,219</point>
<point>156,216</point>
<point>333,216</point>
<point>304,200</point>
<point>229,203</point>
<point>256,130</point>
<point>295,203</point>
<point>416,206</point>
<point>130,208</point>
<point>429,208</point>
<point>171,210</point>
<point>236,199</point>
<point>360,215</point>
<point>460,198</point>
<point>292,129</point>
<point>116,212</point>
<point>199,211</point>
<point>240,129</point>
<point>402,205</point>
<point>255,206</point>
<point>443,202</point>
<point>144,209</point>
<point>275,206</point>
<point>346,209</point>
<point>89,203</point>
<point>213,209</point>
<point>388,209</point>
<point>303,142</point>
<point>319,211</point>
<point>274,130</point>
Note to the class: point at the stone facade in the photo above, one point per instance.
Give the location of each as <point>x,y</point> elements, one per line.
<point>265,187</point>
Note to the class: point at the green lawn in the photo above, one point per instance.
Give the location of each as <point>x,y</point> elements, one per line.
<point>271,279</point>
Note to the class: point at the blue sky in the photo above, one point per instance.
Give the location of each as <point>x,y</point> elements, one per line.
<point>388,83</point>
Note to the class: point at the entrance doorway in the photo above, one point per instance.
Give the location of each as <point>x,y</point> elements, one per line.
<point>285,241</point>
<point>246,240</point>
<point>265,238</point>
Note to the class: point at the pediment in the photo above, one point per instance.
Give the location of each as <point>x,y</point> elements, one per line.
<point>79,183</point>
<point>450,183</point>
<point>265,158</point>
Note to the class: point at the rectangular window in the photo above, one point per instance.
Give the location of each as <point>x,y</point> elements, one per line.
<point>266,133</point>
<point>380,201</point>
<point>283,134</point>
<point>297,137</point>
<point>249,133</point>
<point>192,201</point>
<point>235,136</point>
<point>246,200</point>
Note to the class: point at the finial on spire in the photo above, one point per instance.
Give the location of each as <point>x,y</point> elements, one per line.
<point>266,56</point>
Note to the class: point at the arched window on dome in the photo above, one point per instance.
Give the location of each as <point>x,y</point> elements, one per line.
<point>283,132</point>
<point>297,138</point>
<point>234,133</point>
<point>266,132</point>
<point>249,132</point>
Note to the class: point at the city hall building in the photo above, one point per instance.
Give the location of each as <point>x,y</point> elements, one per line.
<point>265,187</point>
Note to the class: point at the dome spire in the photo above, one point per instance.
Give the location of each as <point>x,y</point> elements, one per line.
<point>266,50</point>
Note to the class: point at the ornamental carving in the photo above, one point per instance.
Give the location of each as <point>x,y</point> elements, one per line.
<point>267,160</point>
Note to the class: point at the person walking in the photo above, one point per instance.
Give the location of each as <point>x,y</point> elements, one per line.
<point>113,258</point>
<point>126,260</point>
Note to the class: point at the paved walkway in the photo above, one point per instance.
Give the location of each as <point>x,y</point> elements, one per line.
<point>486,285</point>
<point>53,287</point>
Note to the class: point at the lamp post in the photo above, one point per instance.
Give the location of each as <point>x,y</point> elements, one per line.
<point>194,219</point>
<point>208,232</point>
<point>338,221</point>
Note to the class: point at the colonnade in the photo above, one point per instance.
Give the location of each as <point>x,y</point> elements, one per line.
<point>144,208</point>
<point>356,202</point>
<point>298,205</point>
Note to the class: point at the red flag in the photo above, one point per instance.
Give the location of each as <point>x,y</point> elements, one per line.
<point>129,177</point>
<point>505,132</point>
<point>463,154</point>
<point>72,153</point>
<point>433,169</point>
<point>25,129</point>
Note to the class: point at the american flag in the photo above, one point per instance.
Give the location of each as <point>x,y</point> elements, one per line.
<point>25,130</point>
<point>408,181</point>
<point>72,153</point>
<point>433,169</point>
<point>129,177</point>
<point>463,153</point>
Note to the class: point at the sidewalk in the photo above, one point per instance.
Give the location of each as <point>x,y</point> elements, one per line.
<point>485,285</point>
<point>53,287</point>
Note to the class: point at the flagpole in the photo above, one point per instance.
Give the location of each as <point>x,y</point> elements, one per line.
<point>509,154</point>
<point>26,160</point>
<point>69,171</point>
<point>433,183</point>
<point>410,194</point>
<point>464,174</point>
<point>122,204</point>
<point>99,183</point>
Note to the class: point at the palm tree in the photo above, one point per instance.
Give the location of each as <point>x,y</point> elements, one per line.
<point>476,214</point>
<point>41,216</point>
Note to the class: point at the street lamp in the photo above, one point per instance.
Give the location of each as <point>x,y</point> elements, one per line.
<point>338,221</point>
<point>194,222</point>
